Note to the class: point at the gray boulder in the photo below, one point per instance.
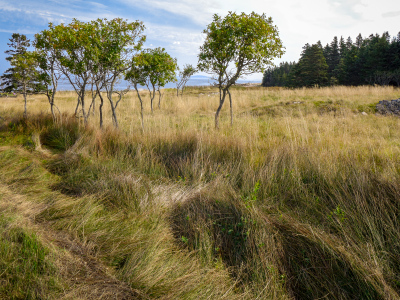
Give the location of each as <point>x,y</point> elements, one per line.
<point>389,107</point>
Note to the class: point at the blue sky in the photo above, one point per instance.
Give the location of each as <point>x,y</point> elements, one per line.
<point>177,25</point>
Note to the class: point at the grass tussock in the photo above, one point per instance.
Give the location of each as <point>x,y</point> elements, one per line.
<point>298,200</point>
<point>27,268</point>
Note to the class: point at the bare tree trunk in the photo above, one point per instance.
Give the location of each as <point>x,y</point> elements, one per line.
<point>101,105</point>
<point>85,119</point>
<point>92,106</point>
<point>25,110</point>
<point>77,105</point>
<point>52,110</point>
<point>101,111</point>
<point>51,96</point>
<point>230,104</point>
<point>221,102</point>
<point>152,98</point>
<point>115,121</point>
<point>141,107</point>
<point>159,98</point>
<point>114,115</point>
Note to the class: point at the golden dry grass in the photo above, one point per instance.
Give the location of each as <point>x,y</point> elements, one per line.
<point>299,199</point>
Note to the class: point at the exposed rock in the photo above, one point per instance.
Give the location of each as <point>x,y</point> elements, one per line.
<point>389,107</point>
<point>364,113</point>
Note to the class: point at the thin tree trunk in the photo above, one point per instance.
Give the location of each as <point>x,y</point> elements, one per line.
<point>52,110</point>
<point>83,107</point>
<point>101,110</point>
<point>77,105</point>
<point>221,102</point>
<point>114,115</point>
<point>141,107</point>
<point>25,110</point>
<point>230,103</point>
<point>152,98</point>
<point>159,98</point>
<point>92,107</point>
<point>115,121</point>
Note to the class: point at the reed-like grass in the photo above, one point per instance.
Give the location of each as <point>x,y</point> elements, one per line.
<point>298,199</point>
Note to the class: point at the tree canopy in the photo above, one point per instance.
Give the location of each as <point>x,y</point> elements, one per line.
<point>237,45</point>
<point>152,68</point>
<point>18,45</point>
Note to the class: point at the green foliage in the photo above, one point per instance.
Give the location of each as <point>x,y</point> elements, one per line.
<point>247,41</point>
<point>372,60</point>
<point>18,44</point>
<point>278,76</point>
<point>237,45</point>
<point>250,199</point>
<point>311,70</point>
<point>95,53</point>
<point>153,68</point>
<point>25,71</point>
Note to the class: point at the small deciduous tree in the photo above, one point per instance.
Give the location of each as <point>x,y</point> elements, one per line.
<point>184,76</point>
<point>76,54</point>
<point>113,42</point>
<point>48,53</point>
<point>157,68</point>
<point>237,45</point>
<point>137,74</point>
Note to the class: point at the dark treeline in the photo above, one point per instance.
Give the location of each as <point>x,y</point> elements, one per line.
<point>373,60</point>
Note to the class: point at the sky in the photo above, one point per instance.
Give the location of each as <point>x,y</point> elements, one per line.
<point>177,25</point>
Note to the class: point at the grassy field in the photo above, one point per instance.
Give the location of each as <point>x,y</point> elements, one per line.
<point>299,199</point>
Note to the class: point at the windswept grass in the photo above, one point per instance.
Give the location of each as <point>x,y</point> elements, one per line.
<point>298,200</point>
<point>27,270</point>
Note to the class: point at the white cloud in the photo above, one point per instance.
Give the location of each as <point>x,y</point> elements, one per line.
<point>200,12</point>
<point>391,14</point>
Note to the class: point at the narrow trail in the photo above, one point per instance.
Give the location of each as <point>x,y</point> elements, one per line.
<point>86,276</point>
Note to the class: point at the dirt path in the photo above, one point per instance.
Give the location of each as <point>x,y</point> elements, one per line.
<point>86,276</point>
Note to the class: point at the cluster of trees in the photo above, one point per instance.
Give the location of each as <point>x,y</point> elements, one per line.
<point>373,60</point>
<point>94,55</point>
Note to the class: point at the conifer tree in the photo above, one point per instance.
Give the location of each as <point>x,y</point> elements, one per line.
<point>18,44</point>
<point>311,69</point>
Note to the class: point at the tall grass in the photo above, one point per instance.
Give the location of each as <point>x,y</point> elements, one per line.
<point>299,199</point>
<point>27,269</point>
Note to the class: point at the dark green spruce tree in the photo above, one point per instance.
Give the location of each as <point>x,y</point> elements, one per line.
<point>18,44</point>
<point>278,76</point>
<point>311,70</point>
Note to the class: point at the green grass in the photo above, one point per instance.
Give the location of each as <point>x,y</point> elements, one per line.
<point>26,267</point>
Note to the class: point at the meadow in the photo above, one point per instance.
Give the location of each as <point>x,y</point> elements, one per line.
<point>298,199</point>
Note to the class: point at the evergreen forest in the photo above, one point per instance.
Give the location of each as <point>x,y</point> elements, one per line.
<point>374,60</point>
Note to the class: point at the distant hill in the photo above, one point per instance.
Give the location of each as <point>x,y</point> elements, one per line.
<point>200,77</point>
